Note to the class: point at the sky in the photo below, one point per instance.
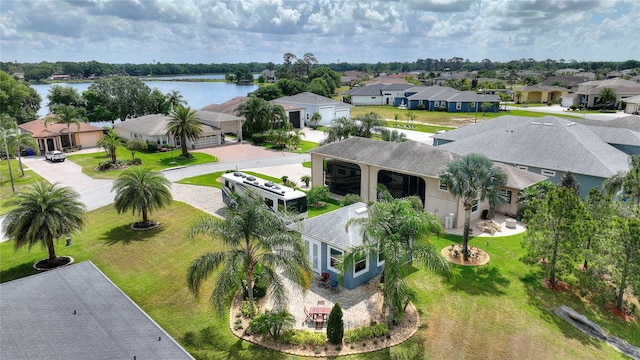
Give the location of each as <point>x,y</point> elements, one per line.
<point>354,31</point>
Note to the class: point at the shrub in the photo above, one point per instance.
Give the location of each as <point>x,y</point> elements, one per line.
<point>318,194</point>
<point>245,309</point>
<point>135,161</point>
<point>258,138</point>
<point>189,338</point>
<point>335,325</point>
<point>350,199</point>
<point>366,333</point>
<point>272,323</point>
<point>306,179</point>
<point>303,337</point>
<point>104,165</point>
<point>151,146</point>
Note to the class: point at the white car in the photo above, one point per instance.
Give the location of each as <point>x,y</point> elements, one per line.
<point>55,155</point>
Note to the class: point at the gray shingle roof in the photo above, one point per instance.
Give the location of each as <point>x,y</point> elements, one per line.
<point>153,125</point>
<point>631,122</point>
<point>369,90</point>
<point>38,320</point>
<point>330,227</point>
<point>619,136</point>
<point>309,99</point>
<point>549,142</point>
<point>410,157</point>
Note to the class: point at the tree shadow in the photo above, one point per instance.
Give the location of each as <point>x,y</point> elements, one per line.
<point>478,280</point>
<point>125,235</point>
<point>547,300</point>
<point>17,272</point>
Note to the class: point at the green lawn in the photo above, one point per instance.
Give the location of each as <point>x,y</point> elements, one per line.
<point>19,181</point>
<point>497,311</point>
<point>212,179</point>
<point>157,161</point>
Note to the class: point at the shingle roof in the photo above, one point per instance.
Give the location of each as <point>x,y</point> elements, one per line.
<point>310,99</point>
<point>227,107</point>
<point>37,129</point>
<point>440,93</point>
<point>38,320</point>
<point>549,142</point>
<point>330,227</point>
<point>543,87</point>
<point>619,136</point>
<point>369,90</point>
<point>152,125</point>
<point>410,157</point>
<point>631,122</point>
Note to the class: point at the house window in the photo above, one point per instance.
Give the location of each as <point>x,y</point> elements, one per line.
<point>548,172</point>
<point>506,194</point>
<point>334,254</point>
<point>158,141</point>
<point>458,105</point>
<point>442,186</point>
<point>380,257</point>
<point>436,103</point>
<point>360,265</point>
<point>472,104</point>
<point>474,206</point>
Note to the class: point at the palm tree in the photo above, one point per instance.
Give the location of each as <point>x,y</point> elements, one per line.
<point>185,123</point>
<point>396,229</point>
<point>607,96</point>
<point>276,116</point>
<point>253,112</point>
<point>626,183</point>
<point>66,114</point>
<point>15,140</point>
<point>473,178</point>
<point>315,120</point>
<point>255,241</point>
<point>142,190</point>
<point>340,129</point>
<point>110,142</point>
<point>42,214</point>
<point>393,135</point>
<point>175,99</point>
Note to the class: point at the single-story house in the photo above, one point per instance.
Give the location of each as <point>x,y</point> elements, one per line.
<point>356,165</point>
<point>311,103</point>
<point>442,98</point>
<point>326,239</point>
<point>632,105</point>
<point>76,312</point>
<point>365,95</point>
<point>569,82</point>
<point>549,146</point>
<point>152,128</point>
<point>540,93</point>
<point>55,136</point>
<point>588,91</point>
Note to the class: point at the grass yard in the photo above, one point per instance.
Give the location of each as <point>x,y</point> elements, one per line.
<point>19,181</point>
<point>211,179</point>
<point>157,161</point>
<point>498,311</point>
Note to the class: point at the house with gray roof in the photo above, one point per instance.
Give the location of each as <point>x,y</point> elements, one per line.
<point>356,165</point>
<point>311,103</point>
<point>541,93</point>
<point>326,239</point>
<point>76,312</point>
<point>152,128</point>
<point>548,146</point>
<point>588,92</point>
<point>442,98</point>
<point>631,122</point>
<point>632,105</point>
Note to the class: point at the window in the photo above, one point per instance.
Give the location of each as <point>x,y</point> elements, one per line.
<point>269,203</point>
<point>281,205</point>
<point>458,105</point>
<point>380,257</point>
<point>548,173</point>
<point>506,194</point>
<point>436,103</point>
<point>474,206</point>
<point>158,141</point>
<point>334,254</point>
<point>472,104</point>
<point>442,186</point>
<point>360,265</point>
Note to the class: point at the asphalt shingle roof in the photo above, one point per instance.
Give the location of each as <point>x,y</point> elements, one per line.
<point>38,320</point>
<point>549,143</point>
<point>330,227</point>
<point>310,99</point>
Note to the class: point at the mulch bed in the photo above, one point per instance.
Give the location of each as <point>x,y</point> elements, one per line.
<point>560,286</point>
<point>622,315</point>
<point>44,265</point>
<point>449,253</point>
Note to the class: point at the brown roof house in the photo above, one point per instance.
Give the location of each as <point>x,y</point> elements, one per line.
<point>588,91</point>
<point>55,136</point>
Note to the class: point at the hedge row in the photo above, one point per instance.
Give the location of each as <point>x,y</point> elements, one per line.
<point>366,332</point>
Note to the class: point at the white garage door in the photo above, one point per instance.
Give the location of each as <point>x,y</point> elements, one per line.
<point>206,141</point>
<point>327,114</point>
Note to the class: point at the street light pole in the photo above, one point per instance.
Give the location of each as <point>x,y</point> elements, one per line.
<point>6,149</point>
<point>476,120</point>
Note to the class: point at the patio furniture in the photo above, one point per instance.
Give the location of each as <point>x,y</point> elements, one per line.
<point>334,285</point>
<point>307,315</point>
<point>510,223</point>
<point>324,279</point>
<point>319,315</point>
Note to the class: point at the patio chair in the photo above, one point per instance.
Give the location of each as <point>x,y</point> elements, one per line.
<point>324,279</point>
<point>307,315</point>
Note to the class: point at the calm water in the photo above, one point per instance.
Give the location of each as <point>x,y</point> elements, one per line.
<point>196,94</point>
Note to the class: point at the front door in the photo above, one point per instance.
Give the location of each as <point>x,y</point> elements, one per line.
<point>313,253</point>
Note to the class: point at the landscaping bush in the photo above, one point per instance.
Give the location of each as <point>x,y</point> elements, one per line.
<point>272,323</point>
<point>335,325</point>
<point>258,138</point>
<point>151,146</point>
<point>136,161</point>
<point>350,199</point>
<point>245,309</point>
<point>318,194</point>
<point>104,165</point>
<point>303,337</point>
<point>366,333</point>
<point>306,179</point>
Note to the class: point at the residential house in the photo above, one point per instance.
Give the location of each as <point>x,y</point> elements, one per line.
<point>632,105</point>
<point>55,136</point>
<point>440,98</point>
<point>311,103</point>
<point>326,239</point>
<point>588,92</point>
<point>76,312</point>
<point>540,93</point>
<point>229,107</point>
<point>152,128</point>
<point>569,82</point>
<point>548,146</point>
<point>365,95</point>
<point>356,165</point>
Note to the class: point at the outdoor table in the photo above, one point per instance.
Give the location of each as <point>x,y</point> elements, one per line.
<point>319,315</point>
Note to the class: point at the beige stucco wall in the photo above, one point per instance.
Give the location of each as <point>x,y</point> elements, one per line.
<point>88,139</point>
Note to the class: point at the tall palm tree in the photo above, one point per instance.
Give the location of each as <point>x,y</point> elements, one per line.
<point>473,178</point>
<point>397,230</point>
<point>110,142</point>
<point>15,139</point>
<point>255,241</point>
<point>185,123</point>
<point>626,183</point>
<point>392,135</point>
<point>141,190</point>
<point>253,112</point>
<point>276,116</point>
<point>174,98</point>
<point>42,214</point>
<point>607,96</point>
<point>66,114</point>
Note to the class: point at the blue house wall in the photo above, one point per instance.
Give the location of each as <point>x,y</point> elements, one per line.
<point>628,149</point>
<point>348,279</point>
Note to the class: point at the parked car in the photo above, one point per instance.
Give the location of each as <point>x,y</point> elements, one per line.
<point>55,155</point>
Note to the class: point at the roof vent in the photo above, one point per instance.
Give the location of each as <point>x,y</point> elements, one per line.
<point>268,184</point>
<point>237,173</point>
<point>535,123</point>
<point>251,178</point>
<point>547,124</point>
<point>361,210</point>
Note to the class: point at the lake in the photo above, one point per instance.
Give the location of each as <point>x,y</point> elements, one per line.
<point>196,94</point>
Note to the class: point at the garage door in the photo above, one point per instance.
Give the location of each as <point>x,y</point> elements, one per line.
<point>327,114</point>
<point>206,141</point>
<point>294,119</point>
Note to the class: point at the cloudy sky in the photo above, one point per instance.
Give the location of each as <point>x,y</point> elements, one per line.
<point>218,31</point>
